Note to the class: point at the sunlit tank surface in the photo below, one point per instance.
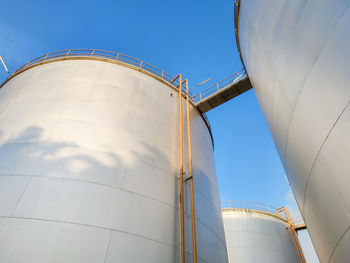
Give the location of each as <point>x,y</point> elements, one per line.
<point>257,236</point>
<point>89,165</point>
<point>297,56</point>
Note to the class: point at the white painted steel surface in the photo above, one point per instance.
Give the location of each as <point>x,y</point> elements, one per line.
<point>297,56</point>
<point>253,236</point>
<point>89,160</point>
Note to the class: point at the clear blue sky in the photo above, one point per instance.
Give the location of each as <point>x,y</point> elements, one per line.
<point>195,38</point>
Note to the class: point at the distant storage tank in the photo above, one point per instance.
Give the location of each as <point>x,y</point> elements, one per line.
<point>297,56</point>
<point>89,165</point>
<point>256,234</point>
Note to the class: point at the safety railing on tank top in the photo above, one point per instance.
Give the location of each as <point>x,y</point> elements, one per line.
<point>232,79</point>
<point>282,213</point>
<point>248,205</point>
<point>298,221</point>
<point>110,56</point>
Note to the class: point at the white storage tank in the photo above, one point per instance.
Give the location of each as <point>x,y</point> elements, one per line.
<point>254,233</point>
<point>89,165</point>
<point>297,56</point>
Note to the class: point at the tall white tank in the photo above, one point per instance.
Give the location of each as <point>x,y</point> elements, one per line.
<point>297,56</point>
<point>255,235</point>
<point>89,166</point>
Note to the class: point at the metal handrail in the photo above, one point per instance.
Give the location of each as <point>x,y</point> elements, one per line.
<point>282,213</point>
<point>235,77</point>
<point>298,221</point>
<point>113,56</point>
<point>248,205</point>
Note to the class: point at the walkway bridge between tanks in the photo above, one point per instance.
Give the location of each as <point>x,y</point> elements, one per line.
<point>222,91</point>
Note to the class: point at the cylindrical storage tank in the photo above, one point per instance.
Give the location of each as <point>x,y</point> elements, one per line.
<point>89,166</point>
<point>255,235</point>
<point>297,56</point>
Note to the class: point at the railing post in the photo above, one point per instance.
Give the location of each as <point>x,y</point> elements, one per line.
<point>217,85</point>
<point>67,53</point>
<point>92,53</point>
<point>45,57</point>
<point>162,74</point>
<point>141,64</point>
<point>116,58</point>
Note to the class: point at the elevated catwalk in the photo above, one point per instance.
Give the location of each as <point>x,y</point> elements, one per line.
<point>222,91</point>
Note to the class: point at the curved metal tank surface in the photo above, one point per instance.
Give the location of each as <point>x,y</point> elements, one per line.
<point>254,236</point>
<point>297,56</point>
<point>89,163</point>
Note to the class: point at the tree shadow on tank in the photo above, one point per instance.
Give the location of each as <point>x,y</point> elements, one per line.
<point>29,153</point>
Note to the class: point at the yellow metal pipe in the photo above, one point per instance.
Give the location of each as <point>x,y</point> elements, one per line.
<point>182,208</point>
<point>194,241</point>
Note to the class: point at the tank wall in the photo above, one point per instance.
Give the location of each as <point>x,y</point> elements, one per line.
<point>297,57</point>
<point>89,164</point>
<point>254,237</point>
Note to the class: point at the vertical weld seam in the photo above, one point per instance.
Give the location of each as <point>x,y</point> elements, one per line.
<point>21,197</point>
<point>336,245</point>
<point>319,151</point>
<point>109,241</point>
<point>303,86</point>
<point>6,109</point>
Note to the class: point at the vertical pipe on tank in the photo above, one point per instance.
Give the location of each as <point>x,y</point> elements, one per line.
<point>191,177</point>
<point>181,171</point>
<point>182,176</point>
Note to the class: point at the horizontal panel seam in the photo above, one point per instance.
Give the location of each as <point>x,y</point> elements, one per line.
<point>85,225</point>
<point>121,189</point>
<point>97,227</point>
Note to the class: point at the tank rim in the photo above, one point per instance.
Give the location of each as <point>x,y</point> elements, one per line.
<point>237,5</point>
<point>257,211</point>
<point>110,57</point>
